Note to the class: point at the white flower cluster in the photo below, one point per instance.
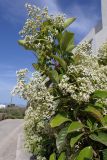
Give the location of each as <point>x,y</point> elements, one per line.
<point>83,49</point>
<point>42,107</point>
<point>103,54</point>
<point>19,89</point>
<point>84,76</point>
<point>41,28</point>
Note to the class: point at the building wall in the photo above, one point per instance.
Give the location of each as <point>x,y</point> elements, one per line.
<point>98,35</point>
<point>104,12</point>
<point>100,38</point>
<point>2,106</point>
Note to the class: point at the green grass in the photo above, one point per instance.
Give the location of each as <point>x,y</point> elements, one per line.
<point>12,113</point>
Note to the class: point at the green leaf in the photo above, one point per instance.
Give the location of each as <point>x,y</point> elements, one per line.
<point>104,122</point>
<point>89,124</point>
<point>75,126</point>
<point>76,58</point>
<point>100,137</point>
<point>60,60</point>
<point>104,154</point>
<point>105,119</point>
<point>60,140</point>
<point>99,94</point>
<point>67,41</point>
<point>36,66</point>
<point>85,154</point>
<point>75,139</point>
<point>68,22</point>
<point>70,48</point>
<point>99,105</point>
<point>60,77</point>
<point>25,45</point>
<point>22,42</point>
<point>62,156</point>
<point>58,120</point>
<point>52,156</point>
<point>55,75</point>
<point>95,113</point>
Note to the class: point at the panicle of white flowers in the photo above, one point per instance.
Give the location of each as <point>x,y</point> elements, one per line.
<point>84,76</point>
<point>103,54</point>
<point>21,79</point>
<point>42,107</point>
<point>84,48</point>
<point>35,28</point>
<point>21,73</point>
<point>41,158</point>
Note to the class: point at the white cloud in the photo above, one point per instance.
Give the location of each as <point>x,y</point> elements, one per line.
<point>15,12</point>
<point>83,22</point>
<point>7,82</point>
<point>5,93</point>
<point>11,11</point>
<point>52,6</point>
<point>7,71</point>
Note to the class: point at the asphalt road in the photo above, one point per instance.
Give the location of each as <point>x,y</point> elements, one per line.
<point>9,131</point>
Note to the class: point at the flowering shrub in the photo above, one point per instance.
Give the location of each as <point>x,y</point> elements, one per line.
<point>84,76</point>
<point>67,114</point>
<point>42,107</point>
<point>103,54</point>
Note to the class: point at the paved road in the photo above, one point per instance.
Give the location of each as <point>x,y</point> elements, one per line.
<point>9,131</point>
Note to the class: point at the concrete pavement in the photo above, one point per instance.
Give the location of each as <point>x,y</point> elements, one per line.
<point>11,140</point>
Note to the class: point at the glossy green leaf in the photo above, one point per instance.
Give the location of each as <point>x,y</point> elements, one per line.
<point>36,66</point>
<point>70,48</point>
<point>58,120</point>
<point>25,45</point>
<point>85,154</point>
<point>104,122</point>
<point>100,137</point>
<point>76,58</point>
<point>52,156</point>
<point>105,119</point>
<point>22,42</point>
<point>68,22</point>
<point>99,105</point>
<point>104,154</point>
<point>89,124</point>
<point>62,156</point>
<point>60,140</point>
<point>75,126</point>
<point>55,75</point>
<point>100,94</point>
<point>67,41</point>
<point>95,113</point>
<point>75,139</point>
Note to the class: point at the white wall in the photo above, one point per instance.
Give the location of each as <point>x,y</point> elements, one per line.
<point>104,12</point>
<point>100,37</point>
<point>2,106</point>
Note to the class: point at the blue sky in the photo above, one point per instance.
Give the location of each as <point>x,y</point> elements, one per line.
<point>12,17</point>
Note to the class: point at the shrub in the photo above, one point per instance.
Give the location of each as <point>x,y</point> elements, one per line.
<point>67,116</point>
<point>103,54</point>
<point>3,116</point>
<point>13,112</point>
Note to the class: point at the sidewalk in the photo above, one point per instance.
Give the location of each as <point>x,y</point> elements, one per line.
<point>20,152</point>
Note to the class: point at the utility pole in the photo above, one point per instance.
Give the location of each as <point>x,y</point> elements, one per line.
<point>11,101</point>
